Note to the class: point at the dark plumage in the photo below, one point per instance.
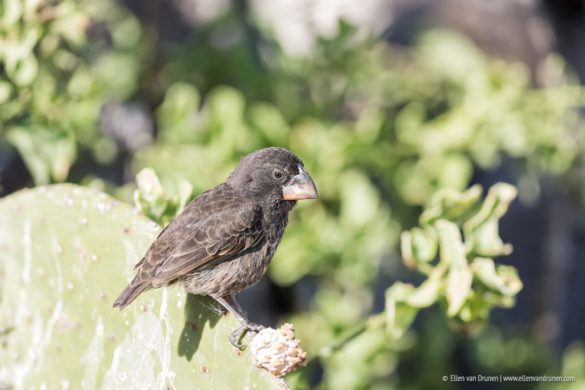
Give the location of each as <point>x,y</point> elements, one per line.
<point>223,241</point>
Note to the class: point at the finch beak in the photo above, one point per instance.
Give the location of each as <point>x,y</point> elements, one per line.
<point>299,187</point>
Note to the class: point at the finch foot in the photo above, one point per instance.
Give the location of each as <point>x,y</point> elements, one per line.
<point>237,335</point>
<point>246,326</point>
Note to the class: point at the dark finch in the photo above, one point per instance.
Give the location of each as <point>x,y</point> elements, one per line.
<point>223,241</point>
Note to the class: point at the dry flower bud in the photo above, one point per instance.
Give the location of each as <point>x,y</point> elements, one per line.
<point>277,350</point>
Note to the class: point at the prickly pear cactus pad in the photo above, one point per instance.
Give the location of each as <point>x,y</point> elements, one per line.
<point>65,253</point>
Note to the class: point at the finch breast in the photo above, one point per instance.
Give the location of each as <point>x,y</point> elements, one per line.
<point>231,276</point>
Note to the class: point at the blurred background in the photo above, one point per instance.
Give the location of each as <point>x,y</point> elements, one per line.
<point>386,101</point>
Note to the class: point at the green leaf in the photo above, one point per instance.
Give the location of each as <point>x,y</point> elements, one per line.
<point>269,120</point>
<point>399,314</point>
<point>475,312</point>
<point>150,197</point>
<point>226,105</point>
<point>503,279</point>
<point>11,13</point>
<point>359,199</point>
<point>453,254</point>
<point>481,230</point>
<point>418,245</point>
<point>451,204</point>
<point>160,204</point>
<point>428,292</point>
<point>25,71</point>
<point>6,91</point>
<point>184,193</point>
<point>178,115</point>
<point>404,300</point>
<point>47,154</point>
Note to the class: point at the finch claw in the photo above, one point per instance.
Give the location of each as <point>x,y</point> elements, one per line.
<point>237,335</point>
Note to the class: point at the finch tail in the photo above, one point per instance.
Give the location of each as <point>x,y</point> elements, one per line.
<point>134,289</point>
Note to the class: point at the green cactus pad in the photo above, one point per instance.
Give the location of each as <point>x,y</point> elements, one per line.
<point>66,252</point>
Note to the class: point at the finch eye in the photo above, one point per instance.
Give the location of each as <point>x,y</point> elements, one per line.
<point>277,174</point>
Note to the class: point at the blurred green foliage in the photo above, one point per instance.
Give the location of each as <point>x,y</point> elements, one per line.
<point>381,128</point>
<point>573,364</point>
<point>60,62</point>
<point>465,276</point>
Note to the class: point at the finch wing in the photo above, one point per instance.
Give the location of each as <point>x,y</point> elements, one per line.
<point>216,237</point>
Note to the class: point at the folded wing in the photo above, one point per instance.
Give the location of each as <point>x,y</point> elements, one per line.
<point>218,237</point>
